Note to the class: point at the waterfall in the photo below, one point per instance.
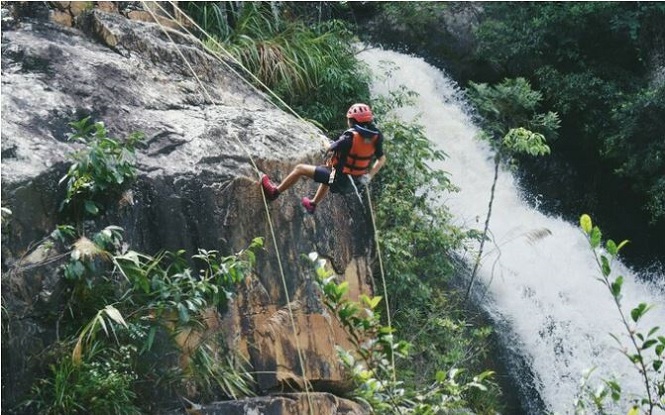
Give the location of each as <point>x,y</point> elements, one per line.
<point>537,278</point>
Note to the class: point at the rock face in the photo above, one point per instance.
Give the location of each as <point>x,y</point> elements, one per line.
<point>197,187</point>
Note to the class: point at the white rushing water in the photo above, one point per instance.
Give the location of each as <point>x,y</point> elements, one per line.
<point>538,273</point>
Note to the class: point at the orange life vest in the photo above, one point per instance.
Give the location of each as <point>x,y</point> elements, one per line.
<point>360,155</point>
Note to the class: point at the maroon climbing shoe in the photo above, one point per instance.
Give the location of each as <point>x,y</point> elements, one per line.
<point>308,205</point>
<point>269,188</point>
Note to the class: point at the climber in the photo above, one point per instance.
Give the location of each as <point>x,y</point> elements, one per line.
<point>350,158</point>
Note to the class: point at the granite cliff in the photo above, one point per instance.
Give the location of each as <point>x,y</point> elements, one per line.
<point>196,188</point>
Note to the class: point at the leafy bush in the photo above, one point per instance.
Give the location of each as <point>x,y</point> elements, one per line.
<point>152,298</point>
<point>636,146</point>
<point>416,237</point>
<point>374,347</point>
<point>100,170</point>
<point>165,283</point>
<point>507,113</point>
<point>418,244</point>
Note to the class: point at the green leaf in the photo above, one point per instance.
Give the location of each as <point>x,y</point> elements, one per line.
<point>616,286</point>
<point>615,389</point>
<point>605,267</point>
<point>586,224</point>
<point>371,302</point>
<point>622,244</point>
<point>648,343</point>
<point>440,376</point>
<point>639,311</point>
<point>341,289</point>
<point>183,314</point>
<point>659,349</point>
<point>91,207</point>
<point>595,237</point>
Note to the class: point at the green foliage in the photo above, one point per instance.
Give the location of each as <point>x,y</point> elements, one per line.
<point>509,118</point>
<point>594,397</point>
<point>101,169</point>
<point>124,300</point>
<point>415,232</point>
<point>417,244</point>
<point>88,257</point>
<point>374,347</point>
<point>101,385</point>
<point>522,141</point>
<point>572,35</point>
<point>215,18</point>
<point>123,309</point>
<point>165,284</point>
<point>596,63</point>
<point>105,318</point>
<point>647,348</point>
<point>311,67</point>
<point>84,272</point>
<point>635,144</point>
<point>220,373</point>
<point>414,14</point>
<point>443,334</point>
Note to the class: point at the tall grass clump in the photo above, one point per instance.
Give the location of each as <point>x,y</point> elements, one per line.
<point>311,67</point>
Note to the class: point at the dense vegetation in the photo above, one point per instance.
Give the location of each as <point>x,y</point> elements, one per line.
<point>599,65</point>
<point>311,67</point>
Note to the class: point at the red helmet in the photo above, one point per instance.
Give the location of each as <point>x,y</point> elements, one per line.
<point>360,113</point>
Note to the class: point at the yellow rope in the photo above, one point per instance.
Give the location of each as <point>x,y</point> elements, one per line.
<point>272,231</point>
<point>383,281</point>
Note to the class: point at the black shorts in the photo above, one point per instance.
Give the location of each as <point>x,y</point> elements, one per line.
<point>341,183</point>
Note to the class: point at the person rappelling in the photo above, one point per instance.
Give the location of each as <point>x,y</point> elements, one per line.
<point>349,161</point>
